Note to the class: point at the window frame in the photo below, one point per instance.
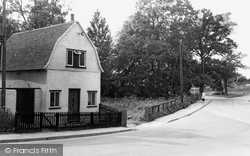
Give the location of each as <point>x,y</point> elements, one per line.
<point>71,57</point>
<point>56,99</point>
<point>90,101</point>
<point>81,55</point>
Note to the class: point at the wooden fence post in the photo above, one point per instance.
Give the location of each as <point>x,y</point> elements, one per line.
<point>92,119</point>
<point>124,118</point>
<point>41,121</point>
<point>57,121</point>
<point>146,113</point>
<point>16,126</point>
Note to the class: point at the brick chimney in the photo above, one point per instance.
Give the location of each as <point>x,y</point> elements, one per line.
<point>72,17</point>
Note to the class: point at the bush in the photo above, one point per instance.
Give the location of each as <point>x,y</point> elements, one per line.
<point>7,120</point>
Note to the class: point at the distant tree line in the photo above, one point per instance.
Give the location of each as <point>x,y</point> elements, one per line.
<point>144,59</point>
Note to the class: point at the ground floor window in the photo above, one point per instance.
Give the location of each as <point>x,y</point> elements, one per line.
<point>92,98</point>
<point>55,98</point>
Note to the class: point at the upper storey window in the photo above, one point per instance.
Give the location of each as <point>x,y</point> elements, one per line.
<point>76,58</point>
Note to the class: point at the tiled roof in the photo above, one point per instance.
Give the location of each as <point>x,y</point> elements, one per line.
<point>31,50</point>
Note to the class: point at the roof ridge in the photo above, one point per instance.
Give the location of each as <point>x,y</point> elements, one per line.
<point>27,31</point>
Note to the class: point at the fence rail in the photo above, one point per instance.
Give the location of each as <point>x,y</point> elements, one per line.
<point>38,121</point>
<point>168,107</point>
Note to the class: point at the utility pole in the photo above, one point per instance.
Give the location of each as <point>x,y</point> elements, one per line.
<point>3,45</point>
<point>203,73</point>
<point>181,72</point>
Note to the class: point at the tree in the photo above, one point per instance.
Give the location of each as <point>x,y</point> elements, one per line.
<point>210,36</point>
<point>11,24</point>
<point>17,6</point>
<point>100,34</point>
<point>232,61</point>
<point>45,13</point>
<point>225,68</point>
<point>148,48</point>
<point>39,13</point>
<point>242,80</point>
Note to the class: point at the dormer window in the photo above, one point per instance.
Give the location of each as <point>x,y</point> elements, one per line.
<point>76,58</point>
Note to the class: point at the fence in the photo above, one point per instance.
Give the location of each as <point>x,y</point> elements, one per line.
<point>168,107</point>
<point>105,109</point>
<point>38,121</point>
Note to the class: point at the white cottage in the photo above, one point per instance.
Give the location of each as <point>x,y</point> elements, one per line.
<point>53,69</point>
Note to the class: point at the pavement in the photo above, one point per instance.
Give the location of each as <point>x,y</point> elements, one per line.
<point>52,135</point>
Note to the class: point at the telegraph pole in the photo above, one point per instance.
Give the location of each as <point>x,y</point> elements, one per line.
<point>181,72</point>
<point>3,40</point>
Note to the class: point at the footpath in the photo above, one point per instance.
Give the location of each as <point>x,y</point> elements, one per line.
<point>52,135</point>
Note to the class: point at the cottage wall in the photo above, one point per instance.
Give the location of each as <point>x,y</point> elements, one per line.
<point>25,79</point>
<point>64,78</point>
<point>73,80</point>
<point>74,39</point>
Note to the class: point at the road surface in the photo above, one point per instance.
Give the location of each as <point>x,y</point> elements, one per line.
<point>222,128</point>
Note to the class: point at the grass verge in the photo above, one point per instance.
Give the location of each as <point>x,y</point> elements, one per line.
<point>134,106</point>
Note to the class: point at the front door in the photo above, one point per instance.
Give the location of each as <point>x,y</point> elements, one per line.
<point>25,100</point>
<point>74,100</point>
<point>74,105</point>
<point>25,105</point>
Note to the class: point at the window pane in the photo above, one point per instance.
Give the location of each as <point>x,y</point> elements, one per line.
<point>57,99</point>
<point>76,60</point>
<point>82,59</point>
<point>52,100</point>
<point>93,98</point>
<point>70,55</point>
<point>89,98</point>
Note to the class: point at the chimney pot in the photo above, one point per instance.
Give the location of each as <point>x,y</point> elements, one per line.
<point>72,17</point>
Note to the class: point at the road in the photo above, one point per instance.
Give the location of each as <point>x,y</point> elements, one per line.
<point>222,128</point>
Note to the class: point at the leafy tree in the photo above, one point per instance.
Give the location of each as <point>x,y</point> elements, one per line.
<point>242,79</point>
<point>45,13</point>
<point>17,6</point>
<point>11,24</point>
<point>231,62</point>
<point>225,68</point>
<point>99,33</point>
<point>148,48</point>
<point>210,36</point>
<point>39,13</point>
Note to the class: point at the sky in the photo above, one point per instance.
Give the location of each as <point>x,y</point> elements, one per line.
<point>116,12</point>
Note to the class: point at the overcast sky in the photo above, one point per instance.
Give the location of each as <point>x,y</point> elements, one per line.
<point>117,11</point>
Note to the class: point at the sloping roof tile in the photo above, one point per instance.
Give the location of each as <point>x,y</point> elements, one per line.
<point>31,50</point>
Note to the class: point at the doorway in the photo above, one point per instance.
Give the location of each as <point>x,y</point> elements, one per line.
<point>25,100</point>
<point>25,105</point>
<point>74,100</point>
<point>74,105</point>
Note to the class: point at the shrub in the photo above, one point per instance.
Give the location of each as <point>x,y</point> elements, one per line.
<point>7,120</point>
